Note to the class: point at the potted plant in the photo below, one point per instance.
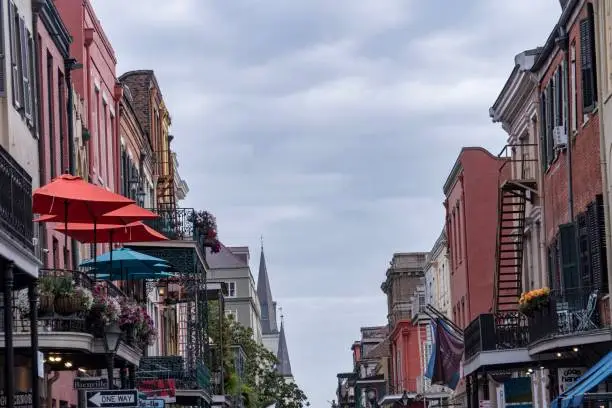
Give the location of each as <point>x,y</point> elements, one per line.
<point>533,300</point>
<point>105,310</point>
<point>46,294</point>
<point>84,299</point>
<point>64,300</point>
<point>129,318</point>
<point>146,333</point>
<point>206,226</point>
<point>22,302</point>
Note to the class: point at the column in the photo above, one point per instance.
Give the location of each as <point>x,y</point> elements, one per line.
<point>9,352</point>
<point>33,298</point>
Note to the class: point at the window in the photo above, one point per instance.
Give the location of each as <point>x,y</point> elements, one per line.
<point>233,314</point>
<point>553,113</point>
<point>56,254</point>
<point>50,112</point>
<point>61,107</point>
<point>231,289</point>
<point>15,56</point>
<point>587,61</point>
<point>22,69</point>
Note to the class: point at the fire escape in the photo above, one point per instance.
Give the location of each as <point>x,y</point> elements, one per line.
<point>166,200</point>
<point>517,186</point>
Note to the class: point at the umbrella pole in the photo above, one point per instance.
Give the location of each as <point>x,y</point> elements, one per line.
<point>111,255</point>
<point>65,235</point>
<point>95,252</point>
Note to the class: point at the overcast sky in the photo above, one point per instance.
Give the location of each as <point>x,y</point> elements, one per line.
<point>329,128</point>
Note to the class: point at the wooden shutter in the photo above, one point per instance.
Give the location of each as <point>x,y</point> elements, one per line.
<point>597,241</point>
<point>564,96</point>
<point>550,122</point>
<point>15,56</point>
<point>558,96</point>
<point>587,61</point>
<point>567,246</point>
<point>543,139</point>
<point>2,53</point>
<point>25,69</point>
<point>584,251</point>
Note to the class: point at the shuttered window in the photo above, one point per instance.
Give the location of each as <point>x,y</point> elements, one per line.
<point>25,70</point>
<point>596,237</point>
<point>15,56</point>
<point>587,61</point>
<point>567,249</point>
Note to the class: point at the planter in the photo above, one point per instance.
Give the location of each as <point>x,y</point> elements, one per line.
<point>66,305</point>
<point>45,303</point>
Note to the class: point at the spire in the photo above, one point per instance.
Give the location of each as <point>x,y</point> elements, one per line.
<point>266,304</point>
<point>284,365</point>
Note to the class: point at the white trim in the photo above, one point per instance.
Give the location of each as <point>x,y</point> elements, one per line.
<point>96,83</point>
<point>229,291</point>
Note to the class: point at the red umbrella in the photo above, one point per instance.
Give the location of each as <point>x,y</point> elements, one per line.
<point>134,232</point>
<point>72,199</point>
<point>122,216</point>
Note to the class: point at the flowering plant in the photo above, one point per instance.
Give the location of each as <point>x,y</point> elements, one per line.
<point>130,313</point>
<point>23,302</point>
<point>105,307</point>
<point>146,333</point>
<point>84,297</point>
<point>533,300</point>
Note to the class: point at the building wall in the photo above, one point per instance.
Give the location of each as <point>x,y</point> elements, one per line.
<point>17,133</point>
<point>405,273</point>
<point>437,277</point>
<point>53,127</point>
<point>405,358</point>
<point>471,227</point>
<point>585,153</point>
<point>95,82</point>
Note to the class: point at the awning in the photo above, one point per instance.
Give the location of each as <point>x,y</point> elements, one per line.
<point>572,398</point>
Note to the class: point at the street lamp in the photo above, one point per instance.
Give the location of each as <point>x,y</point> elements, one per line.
<point>405,399</point>
<point>112,335</point>
<point>371,394</point>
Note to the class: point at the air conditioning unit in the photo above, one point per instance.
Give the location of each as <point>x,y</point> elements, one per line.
<point>559,137</point>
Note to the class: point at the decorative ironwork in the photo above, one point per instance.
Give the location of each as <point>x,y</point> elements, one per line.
<point>172,368</point>
<point>16,200</point>
<point>499,331</point>
<point>568,312</point>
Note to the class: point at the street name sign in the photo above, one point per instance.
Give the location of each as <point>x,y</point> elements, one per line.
<point>22,399</point>
<point>112,398</point>
<point>151,403</point>
<point>90,383</point>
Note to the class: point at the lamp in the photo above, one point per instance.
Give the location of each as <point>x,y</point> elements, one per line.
<point>405,399</point>
<point>371,395</point>
<point>112,335</point>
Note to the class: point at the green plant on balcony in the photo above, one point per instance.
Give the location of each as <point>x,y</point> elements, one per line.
<point>46,294</point>
<point>105,309</point>
<point>65,302</point>
<point>533,300</point>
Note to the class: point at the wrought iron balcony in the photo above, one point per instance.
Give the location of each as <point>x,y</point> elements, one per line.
<point>15,200</point>
<point>171,368</point>
<point>62,306</point>
<point>176,224</point>
<point>500,331</point>
<point>572,311</point>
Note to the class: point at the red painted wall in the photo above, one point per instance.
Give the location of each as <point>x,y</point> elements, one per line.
<point>49,55</point>
<point>586,169</point>
<point>405,346</point>
<point>471,227</point>
<point>96,83</point>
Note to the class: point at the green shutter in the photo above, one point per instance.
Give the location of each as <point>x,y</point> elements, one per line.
<point>569,258</point>
<point>543,147</point>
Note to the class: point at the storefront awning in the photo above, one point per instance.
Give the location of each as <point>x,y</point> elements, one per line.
<point>572,398</point>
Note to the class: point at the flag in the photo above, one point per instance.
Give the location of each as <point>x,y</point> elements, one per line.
<point>445,361</point>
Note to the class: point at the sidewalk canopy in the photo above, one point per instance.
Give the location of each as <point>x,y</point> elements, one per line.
<point>572,398</point>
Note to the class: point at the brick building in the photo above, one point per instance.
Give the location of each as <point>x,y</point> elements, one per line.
<point>471,225</point>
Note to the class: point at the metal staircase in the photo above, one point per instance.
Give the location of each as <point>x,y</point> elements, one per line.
<point>513,195</point>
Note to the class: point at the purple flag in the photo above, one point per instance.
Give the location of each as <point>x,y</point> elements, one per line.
<point>449,351</point>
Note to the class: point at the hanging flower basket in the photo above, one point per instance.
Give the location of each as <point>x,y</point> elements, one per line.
<point>45,303</point>
<point>66,305</point>
<point>533,301</point>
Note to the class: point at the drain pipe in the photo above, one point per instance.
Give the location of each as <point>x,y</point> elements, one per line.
<point>603,159</point>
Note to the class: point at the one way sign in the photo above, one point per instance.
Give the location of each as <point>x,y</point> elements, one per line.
<point>112,398</point>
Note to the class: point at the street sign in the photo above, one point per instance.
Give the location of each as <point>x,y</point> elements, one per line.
<point>90,383</point>
<point>151,403</point>
<point>112,398</point>
<point>22,399</point>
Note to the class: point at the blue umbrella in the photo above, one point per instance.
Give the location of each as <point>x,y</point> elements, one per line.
<point>125,260</point>
<point>132,276</point>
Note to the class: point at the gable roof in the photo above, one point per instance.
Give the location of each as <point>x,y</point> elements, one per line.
<point>224,259</point>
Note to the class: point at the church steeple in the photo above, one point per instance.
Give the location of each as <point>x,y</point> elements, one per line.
<point>284,365</point>
<point>266,303</point>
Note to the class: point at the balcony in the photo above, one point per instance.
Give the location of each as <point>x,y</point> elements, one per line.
<point>569,314</point>
<point>15,201</point>
<point>169,377</point>
<point>69,320</point>
<point>500,331</point>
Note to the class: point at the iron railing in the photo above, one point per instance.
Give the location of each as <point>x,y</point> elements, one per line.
<point>171,368</point>
<point>571,311</point>
<point>499,331</point>
<point>16,200</point>
<point>175,224</point>
<point>55,314</point>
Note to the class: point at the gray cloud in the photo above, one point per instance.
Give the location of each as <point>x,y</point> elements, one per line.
<point>328,127</point>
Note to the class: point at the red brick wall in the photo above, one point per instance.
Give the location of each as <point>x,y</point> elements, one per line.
<point>405,343</point>
<point>472,271</point>
<point>585,154</point>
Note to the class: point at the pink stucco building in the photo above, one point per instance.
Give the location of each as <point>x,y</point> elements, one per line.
<point>96,82</point>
